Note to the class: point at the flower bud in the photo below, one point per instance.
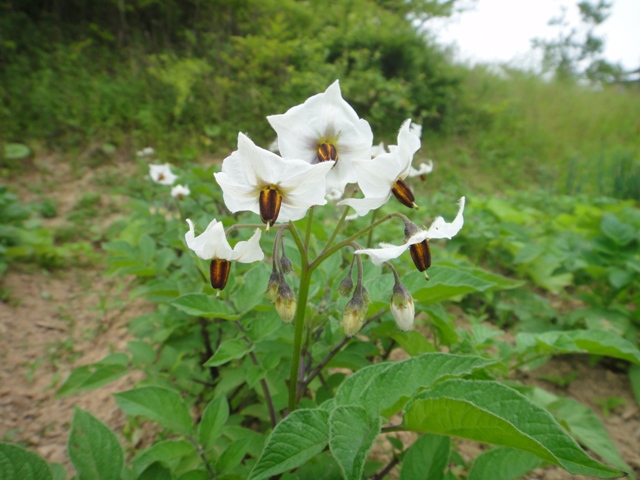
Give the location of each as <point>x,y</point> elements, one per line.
<point>273,285</point>
<point>355,311</point>
<point>346,285</point>
<point>286,303</point>
<point>402,307</point>
<point>285,263</point>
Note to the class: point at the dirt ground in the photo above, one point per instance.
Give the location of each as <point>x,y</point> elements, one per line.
<point>52,322</point>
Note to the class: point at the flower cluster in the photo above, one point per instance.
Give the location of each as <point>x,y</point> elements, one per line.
<point>322,147</point>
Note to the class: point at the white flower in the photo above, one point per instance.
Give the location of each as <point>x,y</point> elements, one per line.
<point>438,229</point>
<point>162,174</point>
<point>323,128</point>
<point>146,152</point>
<point>180,191</point>
<point>213,244</point>
<point>423,169</point>
<point>383,175</point>
<point>257,180</point>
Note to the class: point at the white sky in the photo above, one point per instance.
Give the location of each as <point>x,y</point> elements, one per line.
<point>501,30</point>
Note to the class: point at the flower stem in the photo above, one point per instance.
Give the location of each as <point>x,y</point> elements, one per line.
<point>307,235</point>
<point>337,229</point>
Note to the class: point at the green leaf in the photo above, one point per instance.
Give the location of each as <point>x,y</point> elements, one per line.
<point>158,404</point>
<point>587,428</point>
<point>381,386</point>
<point>413,342</point>
<point>596,342</point>
<point>93,448</point>
<point>252,290</point>
<point>494,413</point>
<point>351,435</point>
<point>428,457</point>
<point>168,453</point>
<point>229,350</point>
<point>17,463</point>
<point>620,233</point>
<point>503,464</point>
<point>90,377</point>
<point>213,419</point>
<point>16,151</point>
<point>202,305</point>
<point>452,281</point>
<point>233,455</point>
<point>299,437</point>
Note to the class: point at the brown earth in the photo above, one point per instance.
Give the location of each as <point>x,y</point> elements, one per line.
<point>52,322</point>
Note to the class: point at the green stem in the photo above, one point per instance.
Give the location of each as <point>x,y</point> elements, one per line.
<point>307,235</point>
<point>337,229</point>
<point>298,319</point>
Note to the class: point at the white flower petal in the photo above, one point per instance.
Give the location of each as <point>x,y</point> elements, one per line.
<point>377,176</point>
<point>441,229</point>
<point>423,169</point>
<point>384,254</point>
<point>212,243</point>
<point>362,206</point>
<point>378,150</point>
<point>249,251</point>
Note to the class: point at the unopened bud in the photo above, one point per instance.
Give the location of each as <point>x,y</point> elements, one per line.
<point>402,307</point>
<point>273,285</point>
<point>355,312</point>
<point>346,285</point>
<point>285,264</point>
<point>286,302</point>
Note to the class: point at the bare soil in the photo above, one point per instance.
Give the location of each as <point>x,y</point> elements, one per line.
<point>52,322</point>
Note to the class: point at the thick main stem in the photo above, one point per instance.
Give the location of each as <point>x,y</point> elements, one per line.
<point>298,320</point>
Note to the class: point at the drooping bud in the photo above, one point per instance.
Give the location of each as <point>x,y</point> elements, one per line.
<point>402,307</point>
<point>219,272</point>
<point>403,193</point>
<point>270,202</point>
<point>273,285</point>
<point>355,312</point>
<point>286,303</point>
<point>326,152</point>
<point>285,263</point>
<point>421,255</point>
<point>346,286</point>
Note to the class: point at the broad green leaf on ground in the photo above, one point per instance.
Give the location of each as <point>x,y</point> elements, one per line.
<point>620,233</point>
<point>94,449</point>
<point>229,350</point>
<point>158,404</point>
<point>383,385</point>
<point>297,438</point>
<point>503,464</point>
<point>587,428</point>
<point>490,412</point>
<point>213,419</point>
<point>169,453</point>
<point>89,377</point>
<point>596,342</point>
<point>352,432</point>
<point>16,151</point>
<point>17,463</point>
<point>452,281</point>
<point>202,305</point>
<point>428,458</point>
